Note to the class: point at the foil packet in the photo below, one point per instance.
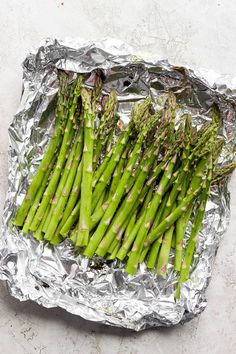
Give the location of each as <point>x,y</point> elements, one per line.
<point>96,290</point>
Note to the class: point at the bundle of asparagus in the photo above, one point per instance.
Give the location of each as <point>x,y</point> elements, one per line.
<point>125,192</point>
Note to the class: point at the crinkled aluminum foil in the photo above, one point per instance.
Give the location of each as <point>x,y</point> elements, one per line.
<point>56,277</point>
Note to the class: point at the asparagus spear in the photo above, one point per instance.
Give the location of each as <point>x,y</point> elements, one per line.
<point>38,234</point>
<point>110,165</point>
<point>70,221</point>
<point>49,154</point>
<point>67,138</point>
<point>130,225</point>
<point>146,163</point>
<point>106,125</point>
<point>101,200</point>
<point>118,173</point>
<point>114,253</point>
<point>57,212</point>
<point>126,206</point>
<point>152,257</point>
<point>72,199</point>
<point>62,181</point>
<point>197,224</point>
<point>38,197</point>
<point>171,218</point>
<point>87,173</point>
<point>164,252</point>
<point>130,234</point>
<point>148,219</point>
<point>103,225</point>
<point>222,173</point>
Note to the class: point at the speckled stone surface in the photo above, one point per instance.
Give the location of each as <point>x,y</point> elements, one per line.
<point>188,32</point>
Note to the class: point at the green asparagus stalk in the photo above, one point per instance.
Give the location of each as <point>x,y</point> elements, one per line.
<point>77,147</point>
<point>70,221</point>
<point>118,173</point>
<point>58,211</point>
<point>38,234</point>
<point>106,125</point>
<point>182,223</point>
<point>48,156</point>
<point>87,174</point>
<point>103,225</point>
<point>72,199</point>
<point>102,199</point>
<point>114,253</point>
<point>133,260</point>
<point>38,197</point>
<point>110,166</point>
<point>222,173</point>
<point>130,225</point>
<point>152,257</point>
<point>98,173</point>
<point>123,251</point>
<point>173,241</point>
<point>95,218</point>
<point>67,138</point>
<point>127,206</point>
<point>117,240</point>
<point>168,222</point>
<point>98,214</point>
<point>164,252</point>
<point>130,234</point>
<point>197,224</point>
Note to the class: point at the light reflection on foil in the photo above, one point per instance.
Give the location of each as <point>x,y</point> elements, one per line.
<point>57,277</point>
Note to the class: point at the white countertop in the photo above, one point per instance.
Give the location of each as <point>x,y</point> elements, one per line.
<point>193,33</point>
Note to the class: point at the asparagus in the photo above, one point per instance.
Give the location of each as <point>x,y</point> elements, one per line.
<point>58,211</point>
<point>127,206</point>
<point>145,165</point>
<point>129,240</point>
<point>110,165</point>
<point>87,173</point>
<point>139,198</point>
<point>118,173</point>
<point>151,261</point>
<point>62,182</point>
<point>168,222</point>
<point>183,221</point>
<point>102,199</point>
<point>117,240</point>
<point>164,252</point>
<point>70,221</point>
<point>106,125</point>
<point>130,225</point>
<point>184,271</point>
<point>222,173</point>
<point>67,138</point>
<point>173,241</point>
<point>38,197</point>
<point>38,234</point>
<point>149,216</point>
<point>72,199</point>
<point>138,113</point>
<point>132,230</point>
<point>103,225</point>
<point>49,154</point>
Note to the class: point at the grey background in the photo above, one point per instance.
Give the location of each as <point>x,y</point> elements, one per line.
<point>194,33</point>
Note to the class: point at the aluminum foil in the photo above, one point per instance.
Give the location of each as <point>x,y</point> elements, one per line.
<point>56,276</point>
